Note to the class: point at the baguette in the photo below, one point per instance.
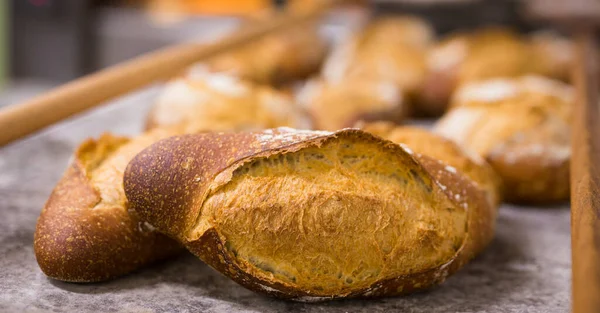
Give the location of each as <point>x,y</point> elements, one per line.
<point>85,233</point>
<point>437,147</point>
<point>312,215</point>
<point>521,126</point>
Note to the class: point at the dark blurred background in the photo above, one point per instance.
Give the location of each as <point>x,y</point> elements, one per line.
<point>48,42</point>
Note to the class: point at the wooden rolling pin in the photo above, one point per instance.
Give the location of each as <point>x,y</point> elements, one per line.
<point>92,90</point>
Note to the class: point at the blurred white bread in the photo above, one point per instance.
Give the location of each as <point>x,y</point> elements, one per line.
<point>521,126</point>
<point>204,100</point>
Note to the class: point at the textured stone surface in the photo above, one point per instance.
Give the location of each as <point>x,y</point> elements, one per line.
<point>526,269</point>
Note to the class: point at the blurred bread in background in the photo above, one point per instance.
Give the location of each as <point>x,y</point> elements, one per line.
<point>333,106</point>
<point>489,53</point>
<point>389,49</point>
<point>204,100</point>
<point>276,59</point>
<point>521,126</point>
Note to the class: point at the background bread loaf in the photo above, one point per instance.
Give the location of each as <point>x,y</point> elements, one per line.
<point>489,53</point>
<point>389,50</point>
<point>276,59</point>
<point>521,126</point>
<point>424,142</point>
<point>202,100</point>
<point>334,106</point>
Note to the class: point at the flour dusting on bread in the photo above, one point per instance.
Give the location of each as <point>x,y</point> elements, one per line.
<point>219,81</point>
<point>459,123</point>
<point>177,98</point>
<point>448,56</point>
<point>500,89</point>
<point>486,91</point>
<point>287,135</point>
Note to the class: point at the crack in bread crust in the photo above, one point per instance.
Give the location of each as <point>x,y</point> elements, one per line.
<point>204,190</point>
<point>334,219</point>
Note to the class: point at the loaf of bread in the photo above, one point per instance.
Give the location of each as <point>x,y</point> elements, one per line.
<point>85,232</point>
<point>491,53</point>
<point>521,126</point>
<point>203,100</point>
<point>276,59</point>
<point>372,75</point>
<point>427,143</point>
<point>312,215</point>
<point>391,49</point>
<point>334,106</point>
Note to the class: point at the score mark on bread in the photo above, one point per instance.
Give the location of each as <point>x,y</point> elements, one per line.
<point>311,215</point>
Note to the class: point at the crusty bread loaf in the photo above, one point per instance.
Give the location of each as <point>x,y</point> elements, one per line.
<point>334,106</point>
<point>521,126</point>
<point>85,232</point>
<point>491,53</point>
<point>424,142</point>
<point>202,100</point>
<point>276,59</point>
<point>312,215</point>
<point>389,49</point>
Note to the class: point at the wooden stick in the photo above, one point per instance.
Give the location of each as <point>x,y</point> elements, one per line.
<point>82,94</point>
<point>585,179</point>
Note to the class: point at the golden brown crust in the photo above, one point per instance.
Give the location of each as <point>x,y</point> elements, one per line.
<point>521,127</point>
<point>535,164</point>
<point>490,53</point>
<point>437,147</point>
<point>169,182</point>
<point>84,234</point>
<point>388,49</point>
<point>217,150</point>
<point>334,106</point>
<point>276,59</point>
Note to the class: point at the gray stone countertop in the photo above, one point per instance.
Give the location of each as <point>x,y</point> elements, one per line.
<point>525,269</point>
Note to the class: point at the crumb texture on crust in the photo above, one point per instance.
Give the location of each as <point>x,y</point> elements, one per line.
<point>295,217</point>
<point>107,176</point>
<point>298,214</point>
